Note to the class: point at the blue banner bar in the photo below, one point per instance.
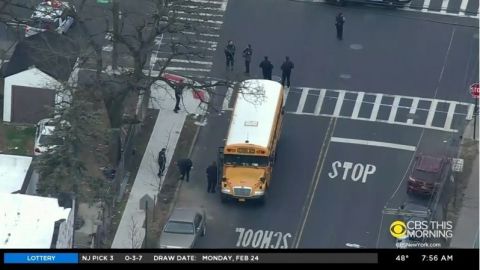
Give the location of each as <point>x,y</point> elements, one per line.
<point>40,258</point>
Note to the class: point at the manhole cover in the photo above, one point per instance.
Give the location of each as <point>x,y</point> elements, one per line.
<point>345,76</point>
<point>356,46</point>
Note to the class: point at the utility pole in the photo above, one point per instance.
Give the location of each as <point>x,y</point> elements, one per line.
<point>146,224</point>
<point>116,17</point>
<point>475,116</point>
<point>475,91</point>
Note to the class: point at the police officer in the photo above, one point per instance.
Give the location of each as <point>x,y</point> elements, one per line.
<point>178,95</point>
<point>267,68</point>
<point>184,165</point>
<point>286,67</point>
<point>230,54</point>
<point>247,54</point>
<point>162,161</point>
<point>339,21</point>
<point>212,177</point>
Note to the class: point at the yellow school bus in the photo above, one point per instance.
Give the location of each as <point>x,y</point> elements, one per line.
<point>249,153</point>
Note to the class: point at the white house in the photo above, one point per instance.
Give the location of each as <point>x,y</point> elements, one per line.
<point>34,75</point>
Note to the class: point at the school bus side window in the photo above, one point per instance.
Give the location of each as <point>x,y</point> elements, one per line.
<point>246,160</point>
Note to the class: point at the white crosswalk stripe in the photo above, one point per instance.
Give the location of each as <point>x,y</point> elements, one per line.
<point>467,8</point>
<point>206,16</point>
<point>454,115</point>
<point>429,6</point>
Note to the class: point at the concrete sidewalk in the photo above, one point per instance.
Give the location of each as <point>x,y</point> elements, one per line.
<point>166,132</point>
<point>466,229</point>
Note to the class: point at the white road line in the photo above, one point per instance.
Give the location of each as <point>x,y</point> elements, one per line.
<point>385,121</point>
<point>358,105</point>
<point>376,107</point>
<point>338,105</point>
<point>451,112</point>
<point>394,109</point>
<point>201,34</point>
<point>463,7</point>
<point>444,6</point>
<point>199,14</point>
<point>227,98</point>
<point>318,106</point>
<point>413,109</point>
<point>154,55</point>
<point>107,48</point>
<point>460,14</point>
<point>188,69</point>
<point>207,63</point>
<point>212,43</point>
<point>198,20</point>
<point>426,5</point>
<point>201,7</point>
<point>386,95</point>
<point>374,143</point>
<point>199,48</point>
<point>224,5</point>
<point>303,98</point>
<point>470,112</point>
<point>431,113</point>
<point>204,1</point>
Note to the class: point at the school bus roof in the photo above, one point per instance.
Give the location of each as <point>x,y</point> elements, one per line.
<point>253,118</point>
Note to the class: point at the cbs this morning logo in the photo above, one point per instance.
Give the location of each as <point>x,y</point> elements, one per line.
<point>421,229</point>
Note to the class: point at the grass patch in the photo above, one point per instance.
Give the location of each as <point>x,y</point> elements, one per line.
<point>17,140</point>
<point>166,195</point>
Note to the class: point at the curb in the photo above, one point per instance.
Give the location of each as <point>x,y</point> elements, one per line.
<point>177,191</point>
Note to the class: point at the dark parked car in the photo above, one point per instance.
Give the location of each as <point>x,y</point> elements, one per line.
<point>427,174</point>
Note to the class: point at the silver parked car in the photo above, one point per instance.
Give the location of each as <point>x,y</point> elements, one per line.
<point>183,228</point>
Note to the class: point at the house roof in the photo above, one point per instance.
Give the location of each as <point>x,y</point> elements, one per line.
<point>50,52</point>
<point>13,170</point>
<point>29,221</point>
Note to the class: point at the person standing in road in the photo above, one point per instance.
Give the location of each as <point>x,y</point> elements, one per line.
<point>286,67</point>
<point>212,177</point>
<point>230,54</point>
<point>178,95</point>
<point>267,68</point>
<point>162,161</point>
<point>247,54</point>
<point>184,166</point>
<point>339,21</point>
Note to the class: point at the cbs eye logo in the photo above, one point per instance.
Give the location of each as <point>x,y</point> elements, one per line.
<point>398,229</point>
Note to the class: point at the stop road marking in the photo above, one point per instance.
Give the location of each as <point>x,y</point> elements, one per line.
<point>353,171</point>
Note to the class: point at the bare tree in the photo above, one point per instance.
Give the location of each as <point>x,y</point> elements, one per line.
<point>134,233</point>
<point>64,168</point>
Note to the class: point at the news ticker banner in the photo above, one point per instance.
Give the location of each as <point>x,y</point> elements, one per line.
<point>445,256</point>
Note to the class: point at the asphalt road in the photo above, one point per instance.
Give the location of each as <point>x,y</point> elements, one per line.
<point>310,205</point>
<point>383,52</point>
<point>401,52</point>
